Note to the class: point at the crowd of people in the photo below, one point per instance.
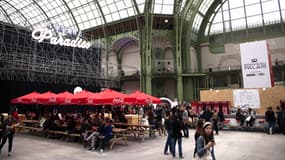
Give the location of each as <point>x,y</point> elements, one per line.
<point>96,129</point>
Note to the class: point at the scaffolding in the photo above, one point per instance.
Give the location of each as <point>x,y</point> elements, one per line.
<point>23,59</point>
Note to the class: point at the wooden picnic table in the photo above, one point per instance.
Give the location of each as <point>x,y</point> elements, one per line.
<point>138,130</point>
<point>29,121</point>
<point>120,134</point>
<point>31,125</point>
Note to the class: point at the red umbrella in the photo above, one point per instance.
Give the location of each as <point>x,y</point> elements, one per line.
<point>90,100</point>
<point>143,98</point>
<point>60,97</point>
<point>76,98</point>
<point>46,98</point>
<point>111,97</point>
<point>26,99</point>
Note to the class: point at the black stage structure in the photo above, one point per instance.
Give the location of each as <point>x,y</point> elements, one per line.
<point>26,66</point>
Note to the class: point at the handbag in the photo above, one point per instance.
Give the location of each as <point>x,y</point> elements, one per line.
<point>206,156</point>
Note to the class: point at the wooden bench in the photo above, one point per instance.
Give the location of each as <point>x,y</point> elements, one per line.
<point>76,136</point>
<point>31,129</point>
<point>51,133</point>
<point>65,135</point>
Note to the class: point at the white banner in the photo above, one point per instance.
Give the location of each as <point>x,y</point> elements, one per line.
<point>246,98</point>
<point>256,65</point>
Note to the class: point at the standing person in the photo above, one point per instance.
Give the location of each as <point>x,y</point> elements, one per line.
<point>207,115</point>
<point>215,120</point>
<point>282,120</point>
<point>1,123</point>
<point>270,119</point>
<point>177,136</point>
<point>221,117</point>
<point>279,117</point>
<point>198,133</point>
<point>205,144</point>
<point>8,128</point>
<point>168,124</point>
<point>185,116</point>
<point>192,116</point>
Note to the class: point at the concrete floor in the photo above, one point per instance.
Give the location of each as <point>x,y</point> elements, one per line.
<point>231,145</point>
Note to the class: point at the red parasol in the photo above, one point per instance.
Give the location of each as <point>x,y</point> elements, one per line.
<point>90,100</point>
<point>26,99</point>
<point>75,98</point>
<point>143,98</point>
<point>46,98</point>
<point>60,97</point>
<point>112,97</point>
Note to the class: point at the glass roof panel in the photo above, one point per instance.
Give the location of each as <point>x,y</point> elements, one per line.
<point>140,4</point>
<point>116,9</point>
<point>3,16</point>
<point>254,21</point>
<point>182,4</point>
<point>57,13</point>
<point>282,6</point>
<point>163,6</point>
<point>14,14</point>
<point>253,10</point>
<point>197,22</point>
<point>86,13</point>
<point>237,13</point>
<point>205,6</point>
<point>238,24</point>
<point>252,2</point>
<point>270,6</point>
<point>235,3</point>
<point>272,17</point>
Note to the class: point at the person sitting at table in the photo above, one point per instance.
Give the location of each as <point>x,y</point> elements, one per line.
<point>84,129</point>
<point>43,120</point>
<point>250,117</point>
<point>56,125</point>
<point>240,117</point>
<point>71,124</point>
<point>105,134</point>
<point>33,115</point>
<point>122,118</point>
<point>15,114</point>
<point>96,124</point>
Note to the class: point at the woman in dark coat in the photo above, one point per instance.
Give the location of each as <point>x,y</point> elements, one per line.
<point>177,136</point>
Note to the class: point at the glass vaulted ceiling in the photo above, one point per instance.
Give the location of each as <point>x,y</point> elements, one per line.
<point>236,15</point>
<point>84,14</point>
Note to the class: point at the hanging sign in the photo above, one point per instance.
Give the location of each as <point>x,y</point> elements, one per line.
<point>41,34</point>
<point>256,65</point>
